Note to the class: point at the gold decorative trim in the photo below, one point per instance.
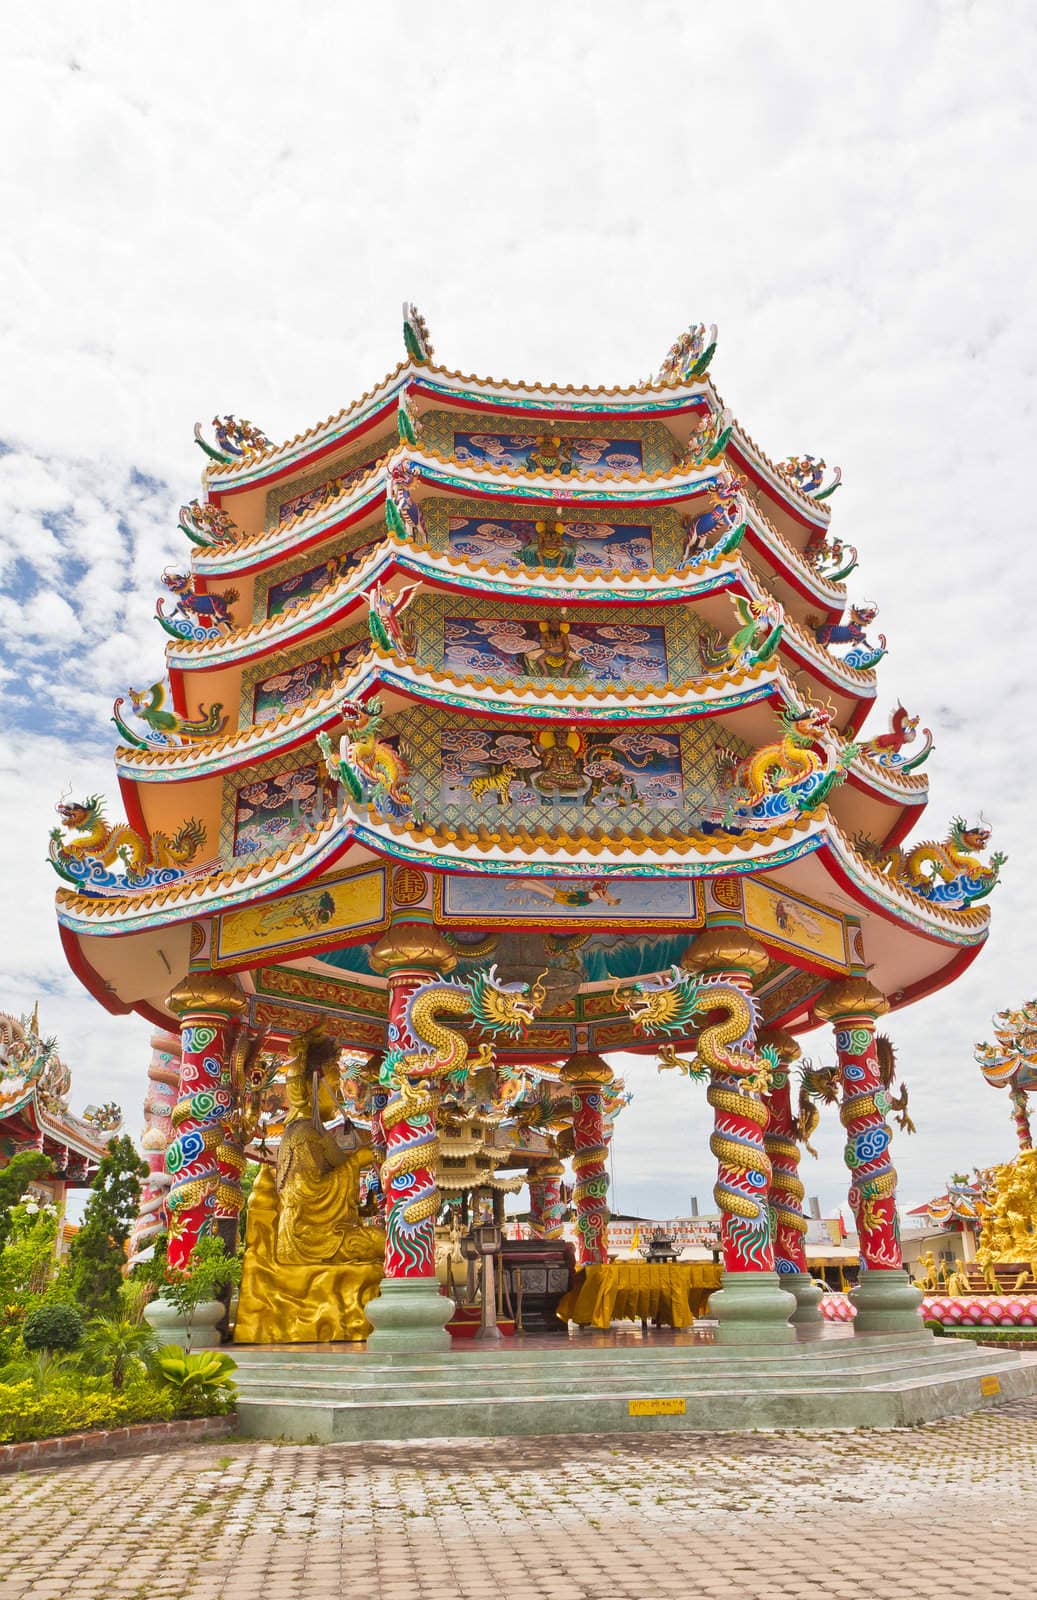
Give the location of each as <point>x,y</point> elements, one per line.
<point>586,1067</point>
<point>727,949</point>
<point>855,997</point>
<point>205,993</point>
<point>412,944</point>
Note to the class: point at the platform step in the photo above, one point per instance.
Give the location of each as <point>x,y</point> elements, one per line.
<point>570,1356</point>
<point>831,1384</point>
<point>287,1382</point>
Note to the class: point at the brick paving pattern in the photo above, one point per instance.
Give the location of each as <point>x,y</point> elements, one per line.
<point>926,1513</point>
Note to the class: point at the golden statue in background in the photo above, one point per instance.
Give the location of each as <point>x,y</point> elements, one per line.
<point>310,1267</point>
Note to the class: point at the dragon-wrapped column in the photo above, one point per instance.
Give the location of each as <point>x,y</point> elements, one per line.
<point>410,1311</point>
<point>785,1196</point>
<point>1022,1118</point>
<point>546,1210</point>
<point>587,1075</point>
<point>886,1300</point>
<point>751,1307</point>
<point>204,1160</point>
<point>163,1081</point>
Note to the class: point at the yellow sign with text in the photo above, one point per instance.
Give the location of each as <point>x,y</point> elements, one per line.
<point>990,1385</point>
<point>657,1408</point>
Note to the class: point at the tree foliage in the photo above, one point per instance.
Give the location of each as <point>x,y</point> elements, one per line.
<point>22,1169</point>
<point>97,1254</point>
<point>28,1264</point>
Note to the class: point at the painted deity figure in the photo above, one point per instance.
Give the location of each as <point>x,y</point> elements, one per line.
<point>554,655</point>
<point>551,453</point>
<point>550,546</point>
<point>562,763</point>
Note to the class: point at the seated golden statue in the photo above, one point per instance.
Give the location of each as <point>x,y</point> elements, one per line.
<point>309,1267</point>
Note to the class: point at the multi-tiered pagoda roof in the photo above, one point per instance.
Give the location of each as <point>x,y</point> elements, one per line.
<point>576,616</point>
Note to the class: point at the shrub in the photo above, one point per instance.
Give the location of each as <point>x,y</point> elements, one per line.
<point>44,1369</point>
<point>1000,1335</point>
<point>26,1413</point>
<point>52,1327</point>
<point>201,1380</point>
<point>118,1347</point>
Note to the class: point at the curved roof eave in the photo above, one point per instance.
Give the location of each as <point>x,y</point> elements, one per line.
<point>445,571</point>
<point>650,399</point>
<point>442,383</point>
<point>255,552</point>
<point>330,606</point>
<point>361,836</point>
<point>712,695</point>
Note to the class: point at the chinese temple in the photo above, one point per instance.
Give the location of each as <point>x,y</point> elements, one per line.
<point>505,727</point>
<point>35,1085</point>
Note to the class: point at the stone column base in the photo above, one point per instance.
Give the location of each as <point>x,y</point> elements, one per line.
<point>887,1302</point>
<point>408,1318</point>
<point>169,1327</point>
<point>752,1308</point>
<point>808,1297</point>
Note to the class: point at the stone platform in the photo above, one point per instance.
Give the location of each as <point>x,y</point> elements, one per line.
<point>585,1384</point>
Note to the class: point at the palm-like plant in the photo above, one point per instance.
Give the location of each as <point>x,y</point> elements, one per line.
<point>42,1368</point>
<point>117,1346</point>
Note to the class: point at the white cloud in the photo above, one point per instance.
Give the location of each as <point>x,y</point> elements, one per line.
<point>205,215</point>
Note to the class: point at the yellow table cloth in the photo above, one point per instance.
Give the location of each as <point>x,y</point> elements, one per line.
<point>669,1292</point>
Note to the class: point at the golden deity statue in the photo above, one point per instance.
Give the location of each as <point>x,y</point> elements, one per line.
<point>310,1267</point>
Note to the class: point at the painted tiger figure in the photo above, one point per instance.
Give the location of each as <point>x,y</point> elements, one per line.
<point>498,783</point>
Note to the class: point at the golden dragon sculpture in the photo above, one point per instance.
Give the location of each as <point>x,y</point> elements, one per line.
<point>441,1066</point>
<point>739,1076</point>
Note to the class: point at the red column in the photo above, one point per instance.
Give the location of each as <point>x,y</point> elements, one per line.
<point>546,1211</point>
<point>781,1141</point>
<point>853,1008</point>
<point>204,1159</point>
<point>409,954</point>
<point>732,960</point>
<point>886,1300</point>
<point>163,1079</point>
<point>411,1149</point>
<point>587,1074</point>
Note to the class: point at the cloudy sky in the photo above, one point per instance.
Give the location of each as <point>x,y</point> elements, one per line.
<point>221,208</point>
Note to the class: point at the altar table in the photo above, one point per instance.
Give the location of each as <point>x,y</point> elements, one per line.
<point>670,1292</point>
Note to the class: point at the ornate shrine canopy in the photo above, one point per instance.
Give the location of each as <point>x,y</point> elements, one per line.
<point>594,677</point>
<point>959,1206</point>
<point>34,1113</point>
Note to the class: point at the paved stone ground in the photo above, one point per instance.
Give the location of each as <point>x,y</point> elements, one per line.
<point>926,1513</point>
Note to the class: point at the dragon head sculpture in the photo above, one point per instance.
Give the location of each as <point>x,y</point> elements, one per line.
<point>504,1008</point>
<point>664,1004</point>
<point>80,814</point>
<point>807,722</point>
<point>969,836</point>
